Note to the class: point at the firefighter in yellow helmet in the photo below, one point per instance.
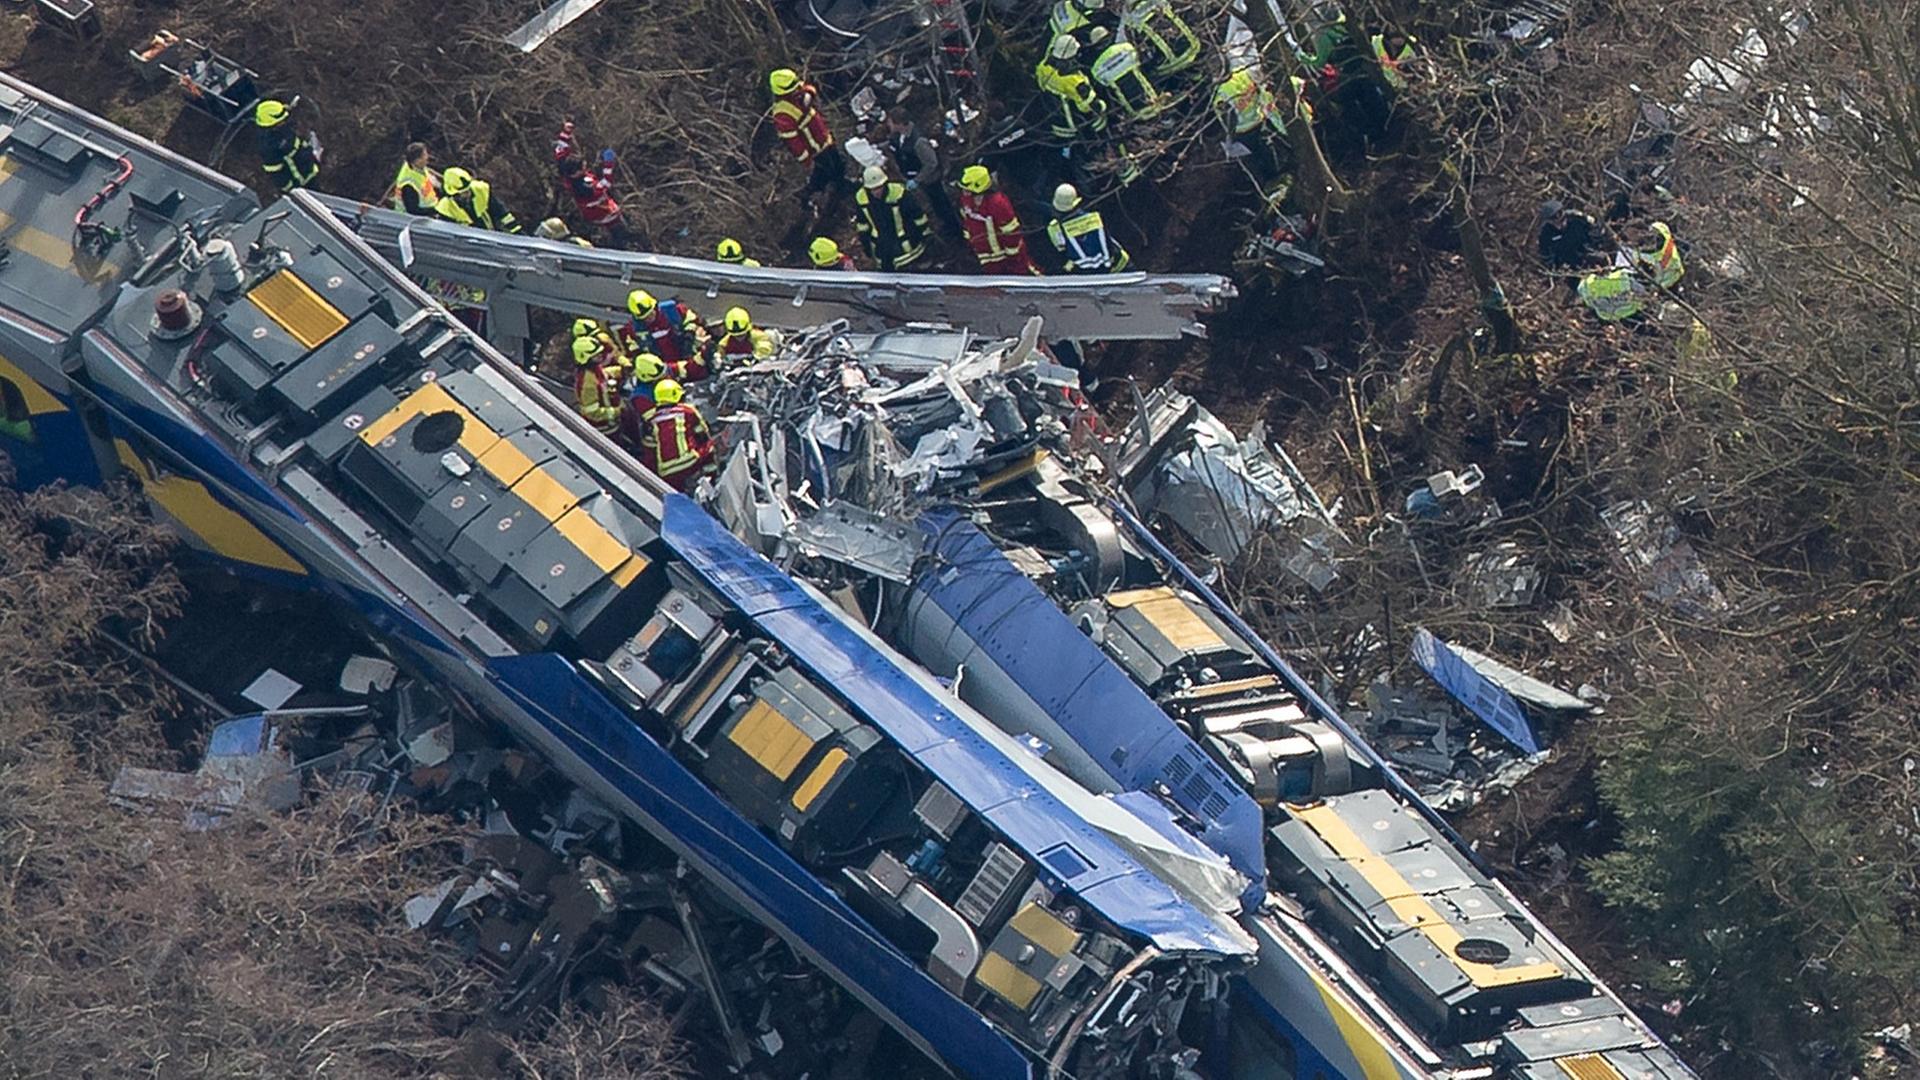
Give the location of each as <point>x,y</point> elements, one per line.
<point>468,200</point>
<point>597,377</point>
<point>729,250</point>
<point>674,440</point>
<point>826,255</point>
<point>742,342</point>
<point>288,158</point>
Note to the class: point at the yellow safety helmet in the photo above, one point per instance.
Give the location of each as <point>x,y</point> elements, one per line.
<point>1065,198</point>
<point>738,321</point>
<point>823,251</point>
<point>455,180</point>
<point>584,327</point>
<point>975,178</point>
<point>647,367</point>
<point>641,303</point>
<point>729,251</point>
<point>783,81</point>
<point>584,350</point>
<point>270,113</point>
<point>668,392</point>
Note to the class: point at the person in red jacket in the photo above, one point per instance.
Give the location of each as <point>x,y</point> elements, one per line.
<point>993,229</point>
<point>797,118</point>
<point>674,440</point>
<point>665,328</point>
<point>590,187</point>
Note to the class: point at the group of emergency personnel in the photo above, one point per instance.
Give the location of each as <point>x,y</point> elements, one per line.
<point>1615,285</point>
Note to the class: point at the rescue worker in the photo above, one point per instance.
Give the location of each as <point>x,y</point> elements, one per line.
<point>921,167</point>
<point>891,222</point>
<point>597,376</point>
<point>591,188</point>
<point>596,331</point>
<point>288,158</point>
<point>1080,235</point>
<point>674,441</point>
<point>667,329</point>
<point>1170,44</point>
<point>1082,110</point>
<point>993,229</point>
<point>742,342</point>
<point>468,201</point>
<point>826,255</point>
<point>1117,70</point>
<point>1393,51</point>
<point>1612,295</point>
<point>728,250</point>
<point>1247,107</point>
<point>796,116</point>
<point>416,187</point>
<point>555,229</point>
<point>1660,262</point>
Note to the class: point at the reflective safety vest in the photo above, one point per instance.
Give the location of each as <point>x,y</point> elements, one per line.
<point>1662,264</point>
<point>894,237</point>
<point>1118,69</point>
<point>667,333</point>
<point>287,157</point>
<point>424,182</point>
<point>596,394</point>
<point>675,439</point>
<point>1174,46</point>
<point>1066,18</point>
<point>474,206</point>
<point>1082,235</point>
<point>1611,296</point>
<point>799,122</point>
<point>1247,103</point>
<point>1390,65</point>
<point>993,229</point>
<point>750,344</point>
<point>1081,107</point>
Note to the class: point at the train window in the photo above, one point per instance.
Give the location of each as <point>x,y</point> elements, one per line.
<point>16,422</point>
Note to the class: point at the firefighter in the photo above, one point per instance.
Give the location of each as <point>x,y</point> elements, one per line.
<point>597,331</point>
<point>469,201</point>
<point>796,116</point>
<point>993,229</point>
<point>743,342</point>
<point>416,187</point>
<point>1082,110</point>
<point>890,220</point>
<point>674,441</point>
<point>826,255</point>
<point>555,229</point>
<point>1117,71</point>
<point>591,188</point>
<point>666,328</point>
<point>1080,235</point>
<point>597,376</point>
<point>647,371</point>
<point>1171,45</point>
<point>728,250</point>
<point>286,156</point>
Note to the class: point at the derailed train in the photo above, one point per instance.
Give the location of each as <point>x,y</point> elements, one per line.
<point>1223,888</point>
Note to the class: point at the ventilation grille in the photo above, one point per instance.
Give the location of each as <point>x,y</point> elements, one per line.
<point>299,310</point>
<point>1589,1067</point>
<point>996,878</point>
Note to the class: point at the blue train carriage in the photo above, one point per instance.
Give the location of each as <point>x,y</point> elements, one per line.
<point>299,408</point>
<point>1386,950</point>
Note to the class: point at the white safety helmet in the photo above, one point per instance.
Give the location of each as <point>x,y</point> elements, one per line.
<point>1064,47</point>
<point>1065,198</point>
<point>873,176</point>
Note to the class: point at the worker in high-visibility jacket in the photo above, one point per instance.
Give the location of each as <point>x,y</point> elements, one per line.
<point>1612,295</point>
<point>1169,43</point>
<point>1660,261</point>
<point>890,221</point>
<point>1081,236</point>
<point>741,342</point>
<point>666,328</point>
<point>591,188</point>
<point>1119,73</point>
<point>416,187</point>
<point>728,250</point>
<point>1393,51</point>
<point>796,117</point>
<point>993,229</point>
<point>674,441</point>
<point>555,229</point>
<point>1247,107</point>
<point>826,255</point>
<point>1082,111</point>
<point>469,201</point>
<point>288,158</point>
<point>597,379</point>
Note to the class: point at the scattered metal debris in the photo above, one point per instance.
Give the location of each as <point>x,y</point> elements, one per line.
<point>1502,576</point>
<point>556,17</point>
<point>1669,570</point>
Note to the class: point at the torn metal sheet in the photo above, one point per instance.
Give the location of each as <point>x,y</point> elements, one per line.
<point>1503,576</point>
<point>1482,697</point>
<point>861,539</point>
<point>1654,551</point>
<point>1524,687</point>
<point>557,17</point>
<point>244,766</point>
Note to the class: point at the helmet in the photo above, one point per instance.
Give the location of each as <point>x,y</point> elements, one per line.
<point>455,180</point>
<point>270,113</point>
<point>668,392</point>
<point>1064,47</point>
<point>647,367</point>
<point>584,350</point>
<point>823,251</point>
<point>975,178</point>
<point>873,176</point>
<point>729,251</point>
<point>1065,198</point>
<point>585,327</point>
<point>551,229</point>
<point>641,303</point>
<point>783,81</point>
<point>738,321</point>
